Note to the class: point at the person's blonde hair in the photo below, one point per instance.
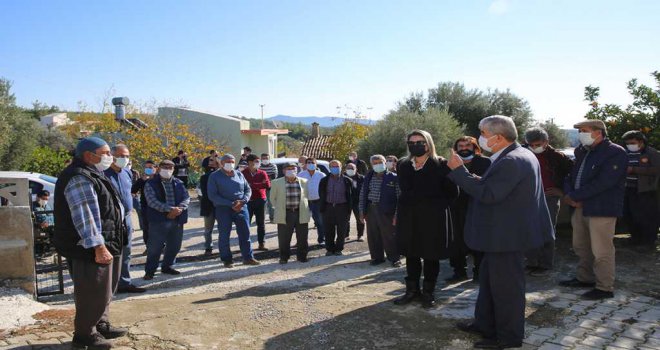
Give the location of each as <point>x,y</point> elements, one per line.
<point>429,142</point>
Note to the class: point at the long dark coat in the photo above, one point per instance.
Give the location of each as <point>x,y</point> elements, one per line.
<point>424,225</point>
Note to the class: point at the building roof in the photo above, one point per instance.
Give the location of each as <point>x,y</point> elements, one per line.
<point>317,147</point>
<point>265,131</point>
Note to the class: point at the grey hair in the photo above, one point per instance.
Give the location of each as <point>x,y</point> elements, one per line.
<point>117,147</point>
<point>500,125</point>
<point>376,157</point>
<point>227,157</point>
<point>536,134</point>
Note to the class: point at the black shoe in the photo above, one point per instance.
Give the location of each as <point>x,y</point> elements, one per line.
<point>303,260</point>
<point>339,253</point>
<point>208,252</point>
<point>94,342</point>
<point>412,293</point>
<point>359,239</point>
<point>322,244</point>
<point>148,276</point>
<point>597,294</point>
<point>169,271</point>
<point>376,262</point>
<point>110,332</point>
<point>495,344</point>
<point>329,253</point>
<point>456,278</point>
<point>540,272</point>
<point>228,264</point>
<point>576,283</point>
<point>284,261</point>
<point>428,297</point>
<point>470,327</point>
<point>130,289</point>
<point>397,263</point>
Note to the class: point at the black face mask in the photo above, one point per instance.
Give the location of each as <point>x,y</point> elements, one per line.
<point>417,150</point>
<point>464,153</point>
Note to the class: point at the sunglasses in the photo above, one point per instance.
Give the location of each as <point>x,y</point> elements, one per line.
<point>416,143</point>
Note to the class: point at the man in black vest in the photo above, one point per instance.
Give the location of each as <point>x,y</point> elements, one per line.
<point>90,232</point>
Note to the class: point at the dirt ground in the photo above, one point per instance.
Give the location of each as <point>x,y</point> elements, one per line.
<point>338,302</point>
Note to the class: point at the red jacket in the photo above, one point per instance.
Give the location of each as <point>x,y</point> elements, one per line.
<point>259,183</point>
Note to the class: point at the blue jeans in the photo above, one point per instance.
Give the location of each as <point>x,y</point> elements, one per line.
<point>168,234</point>
<point>226,216</point>
<point>125,279</point>
<point>315,208</point>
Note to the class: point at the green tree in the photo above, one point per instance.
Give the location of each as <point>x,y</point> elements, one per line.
<point>388,135</point>
<point>558,138</point>
<point>642,114</point>
<point>47,160</point>
<point>17,130</point>
<point>345,139</point>
<point>469,106</point>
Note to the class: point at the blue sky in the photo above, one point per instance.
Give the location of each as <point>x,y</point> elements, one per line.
<point>307,57</point>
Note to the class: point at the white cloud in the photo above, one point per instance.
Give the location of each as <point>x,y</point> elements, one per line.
<point>499,7</point>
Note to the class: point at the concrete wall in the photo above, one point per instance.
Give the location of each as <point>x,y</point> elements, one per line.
<point>261,143</point>
<point>16,236</point>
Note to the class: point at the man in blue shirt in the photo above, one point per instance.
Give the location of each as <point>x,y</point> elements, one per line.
<point>122,180</point>
<point>229,191</point>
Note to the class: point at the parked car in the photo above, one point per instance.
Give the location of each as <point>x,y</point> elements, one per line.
<point>324,166</point>
<point>36,182</point>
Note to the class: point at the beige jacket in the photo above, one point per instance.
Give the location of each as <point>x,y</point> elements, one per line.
<point>278,198</point>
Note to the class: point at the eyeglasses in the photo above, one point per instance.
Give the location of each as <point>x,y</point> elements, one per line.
<point>416,143</point>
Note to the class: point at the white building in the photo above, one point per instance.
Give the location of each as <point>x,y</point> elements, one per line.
<point>55,120</point>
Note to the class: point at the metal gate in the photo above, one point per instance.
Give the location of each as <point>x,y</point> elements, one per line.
<point>48,263</point>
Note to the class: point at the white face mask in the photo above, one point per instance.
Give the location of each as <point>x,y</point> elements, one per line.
<point>106,162</point>
<point>390,165</point>
<point>483,142</point>
<point>290,173</point>
<point>586,139</point>
<point>265,162</point>
<point>166,173</point>
<point>538,150</point>
<point>633,148</point>
<point>121,162</point>
<point>379,168</point>
<point>257,165</point>
<point>350,172</point>
<point>228,166</point>
<point>42,202</point>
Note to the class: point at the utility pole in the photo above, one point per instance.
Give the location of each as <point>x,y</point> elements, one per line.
<point>262,115</point>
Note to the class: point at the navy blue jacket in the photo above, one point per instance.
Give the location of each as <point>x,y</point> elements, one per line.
<point>388,198</point>
<point>603,182</point>
<point>508,211</point>
<point>180,194</point>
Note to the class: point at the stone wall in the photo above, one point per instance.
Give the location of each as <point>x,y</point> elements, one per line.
<point>16,236</point>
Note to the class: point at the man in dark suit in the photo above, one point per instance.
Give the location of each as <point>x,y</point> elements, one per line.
<point>507,216</point>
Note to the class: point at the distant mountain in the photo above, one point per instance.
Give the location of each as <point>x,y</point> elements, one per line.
<point>326,122</point>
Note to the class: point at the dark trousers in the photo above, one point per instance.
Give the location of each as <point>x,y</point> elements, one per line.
<point>414,269</point>
<point>335,226</point>
<point>500,309</point>
<point>184,179</point>
<point>641,216</point>
<point>144,224</point>
<point>458,260</point>
<point>167,235</point>
<point>315,209</point>
<point>256,208</point>
<point>544,255</point>
<point>285,232</point>
<point>125,279</point>
<point>380,235</point>
<point>93,287</point>
<point>360,226</point>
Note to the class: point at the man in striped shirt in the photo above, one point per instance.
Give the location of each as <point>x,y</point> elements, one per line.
<point>271,171</point>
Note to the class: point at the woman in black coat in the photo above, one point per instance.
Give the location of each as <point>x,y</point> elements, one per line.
<point>467,147</point>
<point>424,223</point>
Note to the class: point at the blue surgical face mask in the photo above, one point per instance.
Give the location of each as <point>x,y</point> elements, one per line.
<point>311,166</point>
<point>379,168</point>
<point>149,171</point>
<point>335,170</point>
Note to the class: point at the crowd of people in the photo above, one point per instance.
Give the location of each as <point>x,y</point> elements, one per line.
<point>500,209</point>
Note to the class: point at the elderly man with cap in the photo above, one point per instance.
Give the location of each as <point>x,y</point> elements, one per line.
<point>595,190</point>
<point>229,191</point>
<point>289,196</point>
<point>167,212</point>
<point>90,232</point>
<point>122,179</point>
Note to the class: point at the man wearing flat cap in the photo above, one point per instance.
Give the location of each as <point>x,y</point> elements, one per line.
<point>167,212</point>
<point>90,232</point>
<point>595,190</point>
